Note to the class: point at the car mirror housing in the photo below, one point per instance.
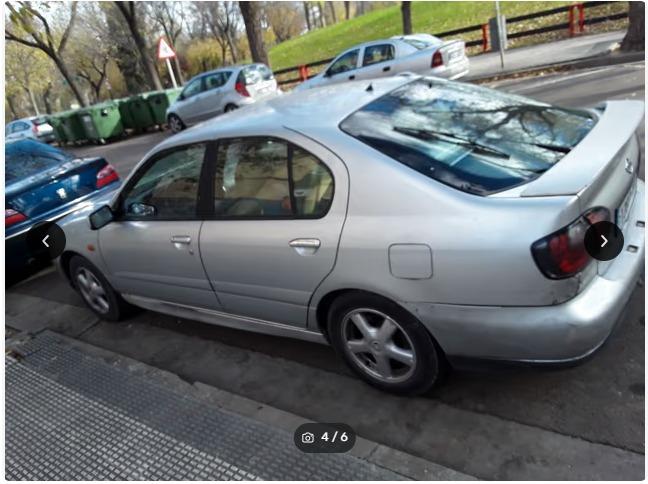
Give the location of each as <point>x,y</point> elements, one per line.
<point>101,218</point>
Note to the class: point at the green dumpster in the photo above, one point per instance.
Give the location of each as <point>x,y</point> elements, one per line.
<point>72,126</point>
<point>101,121</point>
<point>55,122</point>
<point>123,105</point>
<point>141,112</point>
<point>159,101</point>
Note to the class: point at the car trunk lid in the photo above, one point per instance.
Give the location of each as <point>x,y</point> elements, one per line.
<point>452,51</point>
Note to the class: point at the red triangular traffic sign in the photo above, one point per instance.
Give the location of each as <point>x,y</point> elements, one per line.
<point>164,50</point>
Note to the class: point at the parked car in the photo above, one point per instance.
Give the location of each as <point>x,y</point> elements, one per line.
<point>221,91</point>
<point>35,128</point>
<point>420,53</point>
<point>409,222</point>
<point>43,183</point>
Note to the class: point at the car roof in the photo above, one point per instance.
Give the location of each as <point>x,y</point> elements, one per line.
<point>321,107</point>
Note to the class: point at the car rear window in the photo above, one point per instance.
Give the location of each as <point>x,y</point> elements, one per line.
<point>421,44</point>
<point>475,139</point>
<point>255,73</point>
<point>27,158</point>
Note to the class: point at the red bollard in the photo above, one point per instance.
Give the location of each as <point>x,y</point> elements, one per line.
<point>571,20</point>
<point>303,73</point>
<point>581,17</point>
<point>484,37</point>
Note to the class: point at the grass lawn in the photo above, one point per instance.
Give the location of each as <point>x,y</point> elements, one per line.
<point>427,17</point>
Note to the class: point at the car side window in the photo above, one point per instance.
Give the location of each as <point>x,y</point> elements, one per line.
<point>375,54</point>
<point>8,129</point>
<point>346,62</point>
<point>193,88</point>
<point>254,178</point>
<point>216,80</point>
<point>168,188</point>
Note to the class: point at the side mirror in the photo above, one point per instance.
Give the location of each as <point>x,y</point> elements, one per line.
<point>328,73</point>
<point>100,218</point>
<point>181,97</point>
<point>142,210</point>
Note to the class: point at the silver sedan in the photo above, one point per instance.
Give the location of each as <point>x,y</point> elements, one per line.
<point>404,221</point>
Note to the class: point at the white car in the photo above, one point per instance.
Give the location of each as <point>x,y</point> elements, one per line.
<point>219,91</point>
<point>35,127</point>
<point>419,53</point>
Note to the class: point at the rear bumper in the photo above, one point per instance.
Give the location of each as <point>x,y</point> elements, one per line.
<point>562,333</point>
<point>453,71</point>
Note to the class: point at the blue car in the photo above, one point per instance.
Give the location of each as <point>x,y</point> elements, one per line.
<point>43,184</point>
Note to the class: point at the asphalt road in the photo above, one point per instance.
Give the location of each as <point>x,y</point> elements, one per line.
<point>585,422</point>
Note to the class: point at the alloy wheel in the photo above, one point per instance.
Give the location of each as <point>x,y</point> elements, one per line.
<point>378,345</point>
<point>175,124</point>
<point>92,291</point>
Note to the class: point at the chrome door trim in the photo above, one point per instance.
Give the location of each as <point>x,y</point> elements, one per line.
<point>219,318</point>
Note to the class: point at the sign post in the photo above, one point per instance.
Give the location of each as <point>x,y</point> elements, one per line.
<point>165,52</point>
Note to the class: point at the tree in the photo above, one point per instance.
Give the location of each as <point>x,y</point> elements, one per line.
<point>251,18</point>
<point>30,27</point>
<point>170,17</point>
<point>307,14</point>
<point>347,10</point>
<point>635,37</point>
<point>332,10</point>
<point>406,13</point>
<point>129,12</point>
<point>27,71</point>
<point>222,20</point>
<point>284,19</point>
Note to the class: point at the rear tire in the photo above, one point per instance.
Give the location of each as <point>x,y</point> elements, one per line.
<point>96,291</point>
<point>231,107</point>
<point>384,344</point>
<point>175,123</point>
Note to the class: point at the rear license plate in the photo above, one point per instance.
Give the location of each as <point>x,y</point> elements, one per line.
<point>622,213</point>
<point>455,54</point>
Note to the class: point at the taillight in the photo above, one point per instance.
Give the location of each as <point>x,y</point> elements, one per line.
<point>563,254</point>
<point>34,128</point>
<point>241,89</point>
<point>437,59</point>
<point>13,217</point>
<point>106,175</point>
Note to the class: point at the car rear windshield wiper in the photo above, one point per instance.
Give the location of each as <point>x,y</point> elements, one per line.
<point>427,134</point>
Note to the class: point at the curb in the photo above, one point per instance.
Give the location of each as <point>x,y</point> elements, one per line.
<point>402,463</point>
<point>599,60</point>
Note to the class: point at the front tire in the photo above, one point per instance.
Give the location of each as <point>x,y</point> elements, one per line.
<point>384,344</point>
<point>230,107</point>
<point>175,123</point>
<point>96,291</point>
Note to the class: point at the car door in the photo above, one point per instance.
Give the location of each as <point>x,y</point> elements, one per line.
<point>279,208</point>
<point>189,107</point>
<point>9,134</point>
<point>344,68</point>
<point>213,94</point>
<point>151,249</point>
<point>377,61</point>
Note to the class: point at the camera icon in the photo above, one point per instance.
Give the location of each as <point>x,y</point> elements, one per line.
<point>307,438</point>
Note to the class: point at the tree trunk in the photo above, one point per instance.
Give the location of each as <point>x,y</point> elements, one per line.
<point>635,37</point>
<point>332,9</point>
<point>322,15</point>
<point>145,59</point>
<point>406,13</point>
<point>233,48</point>
<point>12,107</point>
<point>347,10</point>
<point>46,98</point>
<point>307,15</point>
<point>250,13</point>
<point>70,80</point>
<point>360,9</point>
<point>32,99</point>
<point>179,70</point>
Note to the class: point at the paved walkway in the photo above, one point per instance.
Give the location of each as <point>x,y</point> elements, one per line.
<point>568,50</point>
<point>71,415</point>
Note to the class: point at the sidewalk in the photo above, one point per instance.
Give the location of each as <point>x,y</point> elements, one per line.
<point>577,49</point>
<point>74,411</point>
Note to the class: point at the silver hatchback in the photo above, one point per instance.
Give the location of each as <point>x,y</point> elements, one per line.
<point>219,91</point>
<point>404,221</point>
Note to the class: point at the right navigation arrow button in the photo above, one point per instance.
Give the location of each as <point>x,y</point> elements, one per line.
<point>605,241</point>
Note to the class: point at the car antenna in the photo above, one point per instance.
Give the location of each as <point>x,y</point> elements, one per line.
<point>369,88</point>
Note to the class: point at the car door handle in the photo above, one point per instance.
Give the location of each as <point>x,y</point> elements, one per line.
<point>181,239</point>
<point>351,78</point>
<point>305,246</point>
<point>386,69</point>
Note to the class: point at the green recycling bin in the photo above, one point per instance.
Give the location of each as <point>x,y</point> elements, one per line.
<point>159,101</point>
<point>101,121</point>
<point>123,105</point>
<point>72,126</point>
<point>141,112</point>
<point>55,122</point>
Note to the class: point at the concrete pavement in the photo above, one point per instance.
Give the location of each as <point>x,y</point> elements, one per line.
<point>563,51</point>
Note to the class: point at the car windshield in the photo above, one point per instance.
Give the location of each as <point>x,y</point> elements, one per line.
<point>27,158</point>
<point>472,138</point>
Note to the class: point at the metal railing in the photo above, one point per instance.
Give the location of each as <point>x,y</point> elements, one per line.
<point>576,22</point>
